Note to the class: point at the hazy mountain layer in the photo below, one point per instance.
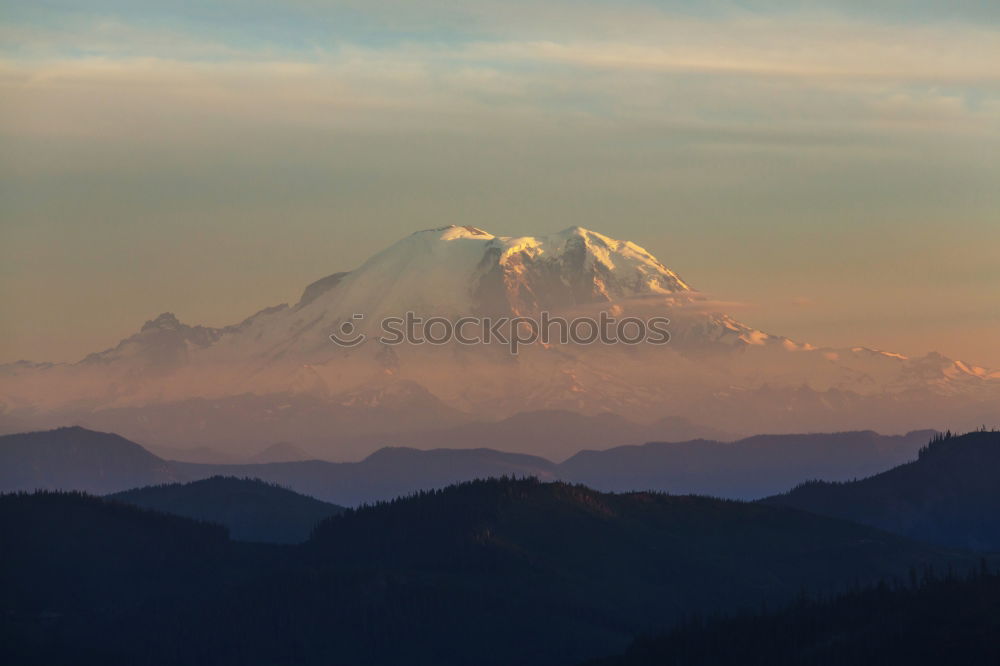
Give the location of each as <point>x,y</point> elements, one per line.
<point>78,459</point>
<point>746,469</point>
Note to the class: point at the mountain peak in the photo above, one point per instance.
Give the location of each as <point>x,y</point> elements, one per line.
<point>456,231</point>
<point>166,321</point>
<point>577,230</point>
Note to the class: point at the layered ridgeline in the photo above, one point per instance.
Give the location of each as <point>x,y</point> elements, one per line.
<point>79,459</point>
<point>277,376</point>
<point>103,463</point>
<point>946,492</point>
<point>250,509</point>
<point>949,495</point>
<point>492,572</point>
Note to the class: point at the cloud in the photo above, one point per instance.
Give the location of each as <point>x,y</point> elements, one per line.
<point>720,80</point>
<point>562,57</point>
<point>452,89</point>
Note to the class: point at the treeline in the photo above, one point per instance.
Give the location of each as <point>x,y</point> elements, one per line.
<point>929,618</point>
<point>252,510</point>
<point>492,573</point>
<point>949,495</point>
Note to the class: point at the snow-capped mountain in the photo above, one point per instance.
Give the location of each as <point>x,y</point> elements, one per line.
<point>715,370</point>
<point>455,271</point>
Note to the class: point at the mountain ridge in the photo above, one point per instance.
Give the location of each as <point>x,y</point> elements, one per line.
<point>250,509</point>
<point>948,495</point>
<point>745,469</point>
<point>428,580</point>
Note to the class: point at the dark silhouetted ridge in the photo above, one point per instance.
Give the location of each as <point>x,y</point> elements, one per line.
<point>251,509</point>
<point>497,572</point>
<point>928,621</point>
<point>949,495</point>
<point>66,551</point>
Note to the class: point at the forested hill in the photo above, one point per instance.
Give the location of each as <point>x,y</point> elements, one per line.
<point>927,620</point>
<point>950,495</point>
<point>492,572</point>
<point>251,509</point>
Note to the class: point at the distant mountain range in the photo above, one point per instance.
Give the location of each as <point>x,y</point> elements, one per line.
<point>79,459</point>
<point>944,490</point>
<point>277,376</point>
<point>281,452</point>
<point>250,509</point>
<point>490,572</point>
<point>553,434</point>
<point>949,495</point>
<point>747,468</point>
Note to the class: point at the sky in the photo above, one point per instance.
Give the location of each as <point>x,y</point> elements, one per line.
<point>831,167</point>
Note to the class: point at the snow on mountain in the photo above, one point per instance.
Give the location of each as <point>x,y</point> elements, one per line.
<point>715,370</point>
<point>461,270</point>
